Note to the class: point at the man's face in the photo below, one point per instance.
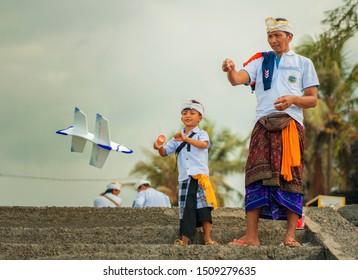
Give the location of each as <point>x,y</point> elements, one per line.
<point>279,41</point>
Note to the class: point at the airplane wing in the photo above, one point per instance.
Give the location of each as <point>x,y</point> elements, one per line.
<point>101,133</point>
<point>98,156</point>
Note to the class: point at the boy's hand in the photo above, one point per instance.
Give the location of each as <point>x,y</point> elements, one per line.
<point>180,136</point>
<point>160,149</point>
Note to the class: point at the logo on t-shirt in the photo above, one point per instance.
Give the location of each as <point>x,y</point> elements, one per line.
<point>292,79</point>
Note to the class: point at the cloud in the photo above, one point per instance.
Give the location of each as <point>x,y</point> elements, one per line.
<point>134,62</point>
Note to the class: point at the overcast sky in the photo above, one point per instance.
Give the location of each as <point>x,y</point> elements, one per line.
<point>132,61</point>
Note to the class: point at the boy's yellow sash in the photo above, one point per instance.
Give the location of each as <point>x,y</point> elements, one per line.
<point>204,181</point>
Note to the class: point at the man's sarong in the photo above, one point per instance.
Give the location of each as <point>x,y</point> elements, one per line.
<point>264,160</point>
<point>273,201</point>
<point>265,186</point>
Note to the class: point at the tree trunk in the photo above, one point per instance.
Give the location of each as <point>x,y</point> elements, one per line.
<point>329,165</point>
<point>319,182</point>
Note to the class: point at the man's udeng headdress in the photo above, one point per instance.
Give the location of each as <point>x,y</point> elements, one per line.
<point>281,24</point>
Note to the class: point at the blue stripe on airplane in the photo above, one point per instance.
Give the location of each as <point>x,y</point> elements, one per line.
<point>105,147</point>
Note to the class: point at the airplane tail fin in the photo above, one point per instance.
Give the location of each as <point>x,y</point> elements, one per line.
<point>98,156</point>
<point>78,144</point>
<point>80,122</point>
<point>101,132</point>
<point>80,127</point>
<point>101,150</point>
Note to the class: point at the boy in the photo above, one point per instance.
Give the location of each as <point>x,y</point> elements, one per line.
<point>196,195</point>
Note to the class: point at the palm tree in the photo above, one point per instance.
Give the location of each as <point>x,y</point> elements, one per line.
<point>227,156</point>
<point>160,172</point>
<point>224,159</point>
<point>331,128</point>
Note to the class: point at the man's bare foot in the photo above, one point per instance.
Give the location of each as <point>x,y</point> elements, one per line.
<point>244,241</point>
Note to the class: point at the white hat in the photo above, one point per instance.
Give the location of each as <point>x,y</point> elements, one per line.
<point>192,104</point>
<point>114,186</point>
<point>142,182</point>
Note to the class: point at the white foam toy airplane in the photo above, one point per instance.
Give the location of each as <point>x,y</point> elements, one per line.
<point>102,144</point>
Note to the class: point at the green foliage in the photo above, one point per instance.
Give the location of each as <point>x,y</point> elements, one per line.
<point>331,128</point>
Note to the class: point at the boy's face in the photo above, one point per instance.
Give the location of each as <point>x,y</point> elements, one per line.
<point>190,117</point>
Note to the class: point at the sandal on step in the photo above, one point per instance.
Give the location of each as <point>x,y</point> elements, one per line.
<point>211,242</point>
<point>179,242</point>
<point>292,243</point>
<point>238,242</point>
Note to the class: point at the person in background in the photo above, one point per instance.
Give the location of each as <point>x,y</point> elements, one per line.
<point>109,198</point>
<point>284,83</point>
<point>149,197</point>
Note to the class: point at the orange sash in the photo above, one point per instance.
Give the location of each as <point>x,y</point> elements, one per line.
<point>291,155</point>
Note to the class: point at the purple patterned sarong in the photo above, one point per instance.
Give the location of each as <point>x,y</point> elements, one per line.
<point>274,202</point>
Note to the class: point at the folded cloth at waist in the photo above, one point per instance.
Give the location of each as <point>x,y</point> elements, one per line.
<point>205,183</point>
<point>264,160</point>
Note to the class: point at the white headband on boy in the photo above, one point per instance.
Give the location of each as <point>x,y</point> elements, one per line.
<point>193,105</point>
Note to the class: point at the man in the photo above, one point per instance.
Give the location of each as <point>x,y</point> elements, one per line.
<point>284,82</point>
<point>109,198</point>
<point>149,197</point>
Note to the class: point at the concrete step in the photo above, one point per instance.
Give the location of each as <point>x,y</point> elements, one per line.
<point>134,235</point>
<point>104,217</point>
<point>127,233</point>
<point>85,216</point>
<point>72,251</point>
<point>82,217</point>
